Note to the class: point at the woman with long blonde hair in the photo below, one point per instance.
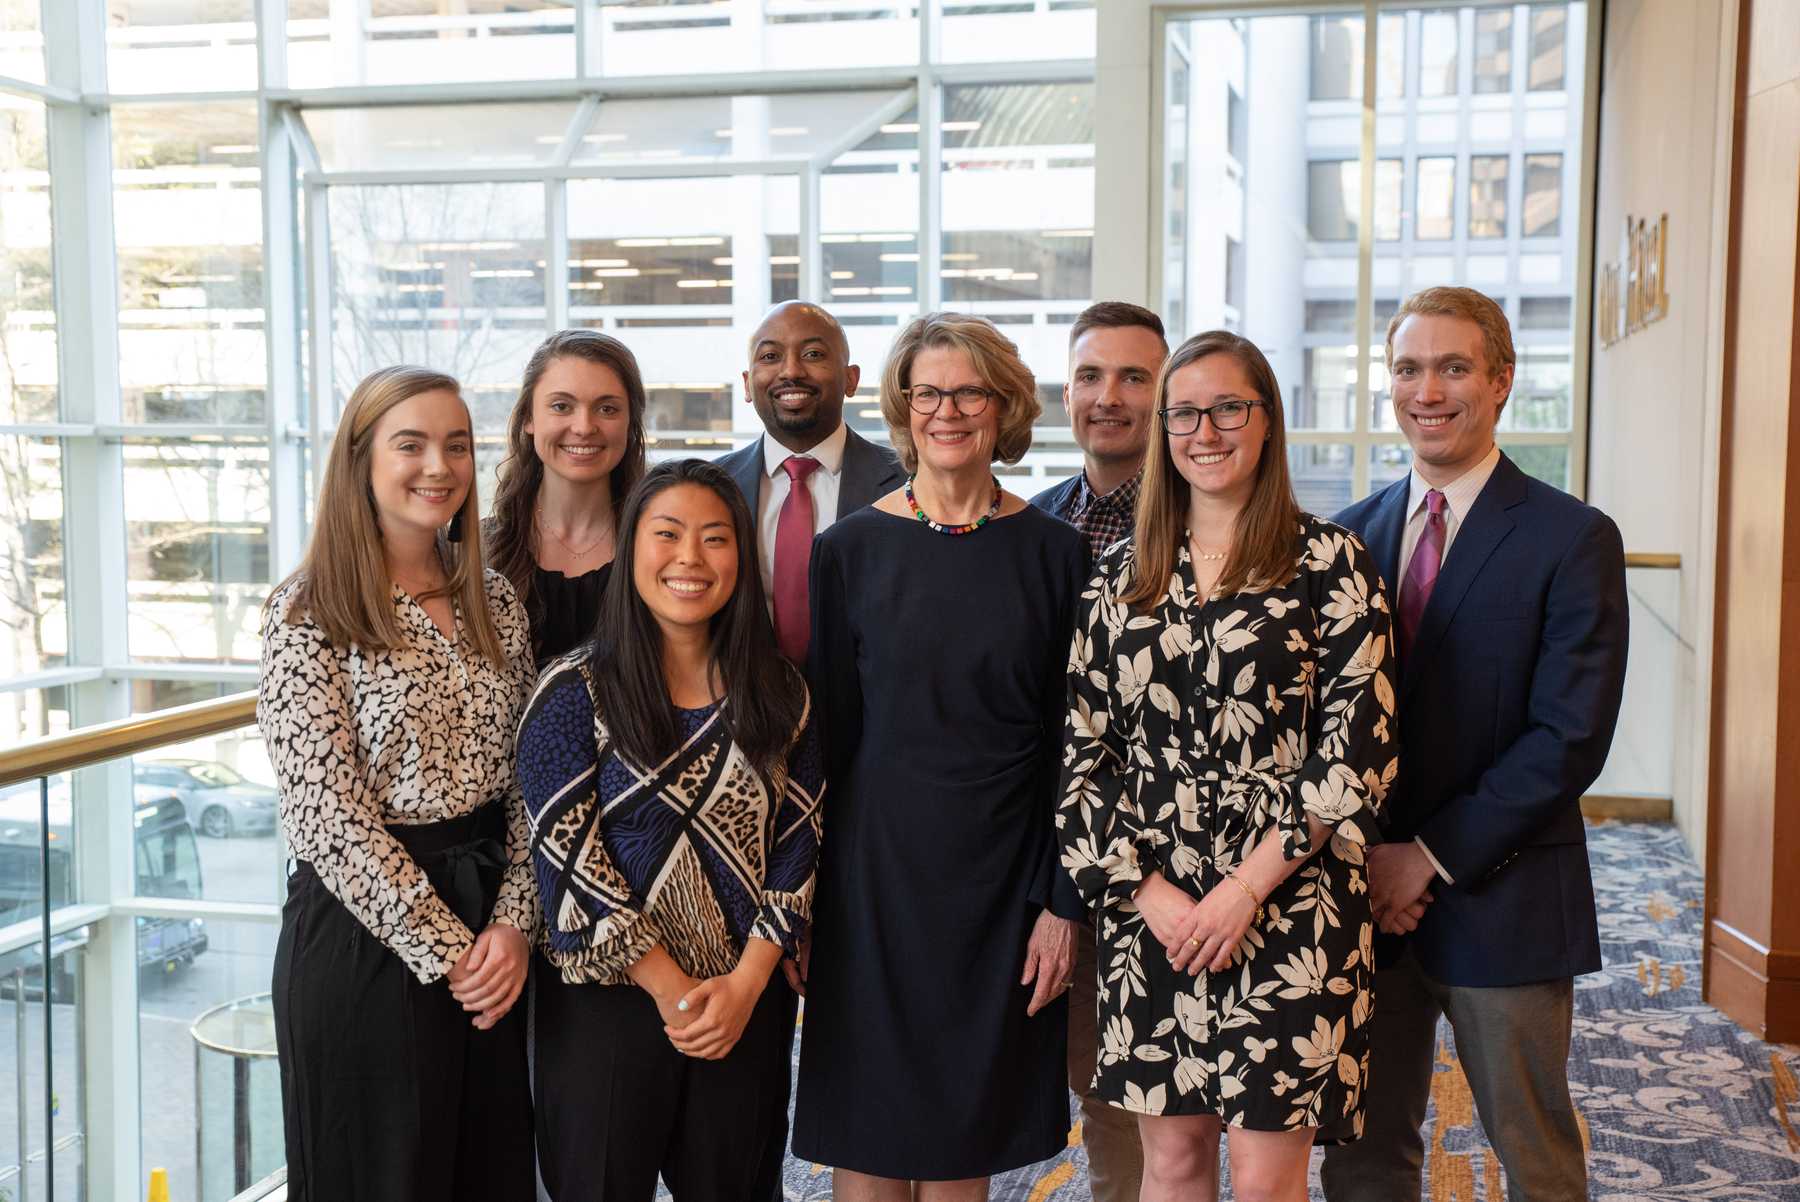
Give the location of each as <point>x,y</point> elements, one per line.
<point>394,671</point>
<point>1230,738</point>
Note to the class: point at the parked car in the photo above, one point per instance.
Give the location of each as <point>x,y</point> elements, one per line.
<point>166,863</point>
<point>220,803</point>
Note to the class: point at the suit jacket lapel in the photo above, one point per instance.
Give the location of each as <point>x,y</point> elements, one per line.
<point>1488,523</point>
<point>867,475</point>
<point>1386,528</point>
<point>748,474</point>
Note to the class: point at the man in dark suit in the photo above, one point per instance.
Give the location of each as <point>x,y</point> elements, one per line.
<point>1115,352</point>
<point>1510,620</point>
<point>807,470</point>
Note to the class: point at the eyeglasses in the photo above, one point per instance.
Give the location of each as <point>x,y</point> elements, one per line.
<point>970,401</point>
<point>1226,415</point>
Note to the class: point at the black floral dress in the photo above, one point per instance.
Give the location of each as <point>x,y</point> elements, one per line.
<point>1194,731</point>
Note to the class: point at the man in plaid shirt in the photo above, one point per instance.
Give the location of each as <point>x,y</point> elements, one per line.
<point>1115,352</point>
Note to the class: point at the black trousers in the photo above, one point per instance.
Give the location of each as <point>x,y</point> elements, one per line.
<point>388,1093</point>
<point>617,1105</point>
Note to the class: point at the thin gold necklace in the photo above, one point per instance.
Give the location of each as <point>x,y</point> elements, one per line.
<point>581,553</point>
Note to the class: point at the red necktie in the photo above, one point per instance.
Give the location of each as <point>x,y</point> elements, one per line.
<point>793,554</point>
<point>1422,572</point>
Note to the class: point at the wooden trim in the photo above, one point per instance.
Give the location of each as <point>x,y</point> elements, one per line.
<point>1627,807</point>
<point>1756,987</point>
<point>1721,669</point>
<point>128,736</point>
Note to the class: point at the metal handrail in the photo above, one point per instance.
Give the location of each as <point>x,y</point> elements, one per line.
<point>128,736</point>
<point>1664,560</point>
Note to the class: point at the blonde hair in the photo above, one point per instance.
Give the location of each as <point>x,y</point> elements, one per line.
<point>996,361</point>
<point>343,583</point>
<point>1262,551</point>
<point>1466,303</point>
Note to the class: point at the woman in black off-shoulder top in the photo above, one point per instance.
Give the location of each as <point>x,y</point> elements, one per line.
<point>575,446</point>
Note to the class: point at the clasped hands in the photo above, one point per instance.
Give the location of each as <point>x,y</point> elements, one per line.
<point>1400,877</point>
<point>1196,934</point>
<point>488,977</point>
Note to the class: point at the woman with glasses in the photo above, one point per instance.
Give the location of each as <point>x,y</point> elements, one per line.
<point>944,930</point>
<point>1230,738</point>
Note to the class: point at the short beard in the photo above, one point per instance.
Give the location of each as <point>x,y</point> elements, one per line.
<point>794,423</point>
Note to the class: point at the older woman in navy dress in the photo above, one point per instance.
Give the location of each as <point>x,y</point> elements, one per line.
<point>932,1049</point>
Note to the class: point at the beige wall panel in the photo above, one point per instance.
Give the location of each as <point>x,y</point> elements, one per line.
<point>1652,405</point>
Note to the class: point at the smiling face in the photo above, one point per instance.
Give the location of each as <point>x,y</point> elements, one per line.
<point>1218,464</point>
<point>1446,399</point>
<point>800,372</point>
<point>949,441</point>
<point>580,419</point>
<point>421,464</point>
<point>1112,390</point>
<point>684,560</point>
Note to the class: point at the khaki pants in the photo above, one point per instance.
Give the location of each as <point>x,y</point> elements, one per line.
<point>1115,1157</point>
<point>1513,1042</point>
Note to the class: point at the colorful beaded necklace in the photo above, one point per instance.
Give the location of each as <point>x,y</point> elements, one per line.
<point>969,528</point>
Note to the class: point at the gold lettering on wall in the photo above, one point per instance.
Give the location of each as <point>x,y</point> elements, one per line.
<point>1634,289</point>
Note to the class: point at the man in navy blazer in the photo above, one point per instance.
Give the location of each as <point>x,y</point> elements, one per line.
<point>1510,620</point>
<point>799,374</point>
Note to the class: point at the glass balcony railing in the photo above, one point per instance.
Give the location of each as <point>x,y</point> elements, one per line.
<point>140,875</point>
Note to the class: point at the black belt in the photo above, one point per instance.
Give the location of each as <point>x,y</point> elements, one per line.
<point>462,857</point>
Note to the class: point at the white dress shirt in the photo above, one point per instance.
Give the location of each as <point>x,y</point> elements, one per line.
<point>1459,499</point>
<point>823,484</point>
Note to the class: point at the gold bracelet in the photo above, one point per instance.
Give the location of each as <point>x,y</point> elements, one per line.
<point>1256,915</point>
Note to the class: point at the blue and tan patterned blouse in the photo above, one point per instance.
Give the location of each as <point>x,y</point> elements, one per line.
<point>700,853</point>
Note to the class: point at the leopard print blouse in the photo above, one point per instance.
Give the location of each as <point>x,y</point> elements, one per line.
<point>363,740</point>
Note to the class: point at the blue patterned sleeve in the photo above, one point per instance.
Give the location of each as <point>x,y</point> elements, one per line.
<point>593,923</point>
<point>786,906</point>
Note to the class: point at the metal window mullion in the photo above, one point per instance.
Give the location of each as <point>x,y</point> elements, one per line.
<point>86,302</point>
<point>811,249</point>
<point>283,148</point>
<point>1365,253</point>
<point>1581,350</point>
<point>320,408</point>
<point>931,163</point>
<point>556,255</point>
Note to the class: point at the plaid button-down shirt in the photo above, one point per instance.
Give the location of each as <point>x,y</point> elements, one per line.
<point>1103,520</point>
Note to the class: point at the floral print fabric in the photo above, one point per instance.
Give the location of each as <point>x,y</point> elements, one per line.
<point>1194,731</point>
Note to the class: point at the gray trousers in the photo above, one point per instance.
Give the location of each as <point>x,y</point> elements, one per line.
<point>1513,1042</point>
<point>1115,1155</point>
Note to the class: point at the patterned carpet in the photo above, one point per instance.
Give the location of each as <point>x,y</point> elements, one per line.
<point>1679,1105</point>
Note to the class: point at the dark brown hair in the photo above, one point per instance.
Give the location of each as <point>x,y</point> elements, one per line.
<point>1116,315</point>
<point>1262,545</point>
<point>510,534</point>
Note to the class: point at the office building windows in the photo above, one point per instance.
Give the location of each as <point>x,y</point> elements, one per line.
<point>1487,196</point>
<point>1549,37</point>
<point>1543,195</point>
<point>1467,187</point>
<point>1436,217</point>
<point>1334,200</point>
<point>1493,50</point>
<point>1437,54</point>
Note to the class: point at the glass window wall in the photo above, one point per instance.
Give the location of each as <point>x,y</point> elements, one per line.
<point>1444,157</point>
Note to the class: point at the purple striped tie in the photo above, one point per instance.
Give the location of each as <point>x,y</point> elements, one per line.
<point>1422,572</point>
